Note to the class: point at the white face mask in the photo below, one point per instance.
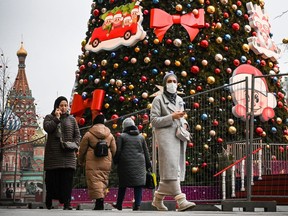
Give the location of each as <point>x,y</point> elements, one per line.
<point>171,87</point>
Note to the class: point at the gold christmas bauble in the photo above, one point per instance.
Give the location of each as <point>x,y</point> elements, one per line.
<point>104,62</point>
<point>137,49</point>
<point>192,91</point>
<point>232,130</point>
<point>219,40</point>
<point>177,63</point>
<point>210,80</point>
<point>198,127</point>
<point>245,47</point>
<point>156,41</point>
<point>194,169</point>
<point>147,60</point>
<point>211,9</point>
<point>114,126</point>
<point>178,7</point>
<point>206,146</point>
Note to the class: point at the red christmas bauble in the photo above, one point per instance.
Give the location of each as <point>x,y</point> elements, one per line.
<point>81,121</point>
<point>196,105</point>
<point>259,130</point>
<point>114,116</point>
<point>190,144</point>
<point>217,71</point>
<point>204,43</point>
<point>194,69</point>
<point>235,26</point>
<point>140,127</point>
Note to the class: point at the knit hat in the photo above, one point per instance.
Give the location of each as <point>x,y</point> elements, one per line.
<point>127,123</point>
<point>58,101</point>
<point>99,119</point>
<point>168,74</point>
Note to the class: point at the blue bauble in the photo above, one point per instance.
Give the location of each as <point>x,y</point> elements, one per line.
<point>91,77</point>
<point>94,66</point>
<point>154,71</point>
<point>273,129</point>
<point>204,116</point>
<point>124,73</point>
<point>113,54</point>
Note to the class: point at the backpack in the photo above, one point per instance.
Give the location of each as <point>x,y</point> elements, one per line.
<point>101,149</point>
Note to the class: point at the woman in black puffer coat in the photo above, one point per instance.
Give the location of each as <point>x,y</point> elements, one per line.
<point>133,160</point>
<point>59,164</point>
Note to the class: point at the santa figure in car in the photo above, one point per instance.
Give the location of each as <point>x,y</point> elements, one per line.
<point>117,20</point>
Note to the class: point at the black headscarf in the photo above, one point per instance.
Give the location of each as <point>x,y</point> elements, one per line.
<point>57,103</point>
<point>171,97</point>
<point>99,119</point>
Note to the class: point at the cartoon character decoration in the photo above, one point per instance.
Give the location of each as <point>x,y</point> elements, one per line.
<point>261,44</point>
<point>122,26</point>
<point>264,102</point>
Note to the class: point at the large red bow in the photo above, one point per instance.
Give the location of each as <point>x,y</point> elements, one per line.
<point>162,21</point>
<point>95,103</point>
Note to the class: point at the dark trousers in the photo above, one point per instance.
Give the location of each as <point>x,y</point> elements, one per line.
<point>59,184</point>
<point>137,195</point>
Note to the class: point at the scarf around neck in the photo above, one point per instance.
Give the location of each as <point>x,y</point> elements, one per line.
<point>171,97</point>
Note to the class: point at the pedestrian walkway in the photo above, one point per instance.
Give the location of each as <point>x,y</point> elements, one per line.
<point>13,211</point>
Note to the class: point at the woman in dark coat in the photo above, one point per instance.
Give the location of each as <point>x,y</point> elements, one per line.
<point>133,160</point>
<point>60,164</point>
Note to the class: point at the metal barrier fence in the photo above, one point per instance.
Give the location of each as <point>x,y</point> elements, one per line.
<point>216,146</point>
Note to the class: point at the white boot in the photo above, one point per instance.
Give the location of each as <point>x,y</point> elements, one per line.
<point>158,202</point>
<point>183,204</point>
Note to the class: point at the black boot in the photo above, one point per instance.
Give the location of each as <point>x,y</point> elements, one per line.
<point>48,203</point>
<point>136,207</point>
<point>67,206</point>
<point>119,207</point>
<point>99,204</point>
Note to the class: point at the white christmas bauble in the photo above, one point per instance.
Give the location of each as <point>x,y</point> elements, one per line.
<point>96,81</point>
<point>247,28</point>
<point>177,42</point>
<point>112,81</point>
<point>218,57</point>
<point>224,1</point>
<point>119,83</point>
<point>167,62</point>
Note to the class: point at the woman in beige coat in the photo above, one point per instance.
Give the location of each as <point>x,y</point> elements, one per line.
<point>97,168</point>
<point>167,113</point>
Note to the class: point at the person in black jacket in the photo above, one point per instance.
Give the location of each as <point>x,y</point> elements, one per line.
<point>60,164</point>
<point>133,161</point>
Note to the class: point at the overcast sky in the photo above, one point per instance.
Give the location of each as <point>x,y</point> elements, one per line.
<point>52,32</point>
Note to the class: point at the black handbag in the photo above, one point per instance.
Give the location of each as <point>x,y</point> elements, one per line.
<point>150,180</point>
<point>69,146</point>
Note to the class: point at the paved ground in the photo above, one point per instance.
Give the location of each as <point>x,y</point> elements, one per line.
<point>86,212</point>
<point>13,211</point>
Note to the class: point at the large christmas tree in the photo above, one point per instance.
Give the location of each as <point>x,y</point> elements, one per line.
<point>129,46</point>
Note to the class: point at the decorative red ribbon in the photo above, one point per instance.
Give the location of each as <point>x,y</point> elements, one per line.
<point>162,21</point>
<point>79,105</point>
